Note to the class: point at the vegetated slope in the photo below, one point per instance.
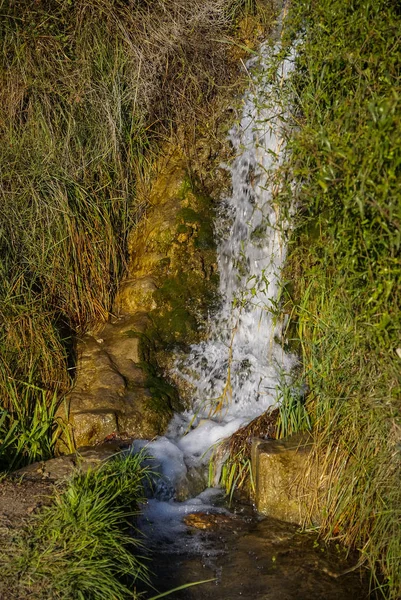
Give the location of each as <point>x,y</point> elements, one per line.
<point>345,265</point>
<point>83,544</point>
<point>87,87</point>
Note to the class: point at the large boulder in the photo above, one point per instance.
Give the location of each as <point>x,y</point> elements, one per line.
<point>110,396</point>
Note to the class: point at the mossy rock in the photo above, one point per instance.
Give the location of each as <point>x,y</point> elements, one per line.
<point>176,326</point>
<point>189,215</point>
<point>187,278</point>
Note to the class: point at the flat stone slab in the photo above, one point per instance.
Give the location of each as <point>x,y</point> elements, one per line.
<point>62,467</point>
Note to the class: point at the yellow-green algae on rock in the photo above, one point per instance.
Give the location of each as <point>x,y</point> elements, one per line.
<point>171,284</point>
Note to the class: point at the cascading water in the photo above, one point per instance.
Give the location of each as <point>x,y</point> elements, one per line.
<point>235,374</point>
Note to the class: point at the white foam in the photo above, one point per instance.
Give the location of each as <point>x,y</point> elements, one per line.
<point>200,440</point>
<point>162,521</point>
<point>242,362</point>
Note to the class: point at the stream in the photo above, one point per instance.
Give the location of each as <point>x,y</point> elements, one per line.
<point>236,375</point>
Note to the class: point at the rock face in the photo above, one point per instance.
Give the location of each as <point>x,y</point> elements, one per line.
<point>279,468</point>
<point>119,388</point>
<point>110,394</point>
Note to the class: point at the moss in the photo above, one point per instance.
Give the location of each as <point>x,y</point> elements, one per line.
<point>182,228</point>
<point>133,334</point>
<point>205,237</point>
<point>186,187</point>
<point>165,397</point>
<point>187,280</point>
<point>176,326</point>
<point>183,302</point>
<point>189,215</point>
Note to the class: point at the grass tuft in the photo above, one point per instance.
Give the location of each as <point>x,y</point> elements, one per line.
<point>84,544</point>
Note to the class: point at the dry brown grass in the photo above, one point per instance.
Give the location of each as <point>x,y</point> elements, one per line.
<point>88,89</point>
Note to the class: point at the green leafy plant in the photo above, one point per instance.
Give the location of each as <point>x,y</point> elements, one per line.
<point>28,429</point>
<point>293,416</point>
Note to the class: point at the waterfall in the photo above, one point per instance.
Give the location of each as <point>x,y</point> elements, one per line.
<point>236,372</point>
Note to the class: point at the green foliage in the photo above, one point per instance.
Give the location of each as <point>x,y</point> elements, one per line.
<point>344,259</point>
<point>28,430</point>
<point>83,545</point>
<point>236,473</point>
<point>293,416</point>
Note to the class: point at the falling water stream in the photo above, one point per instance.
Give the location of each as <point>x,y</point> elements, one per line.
<point>236,372</point>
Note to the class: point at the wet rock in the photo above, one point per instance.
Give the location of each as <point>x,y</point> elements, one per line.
<point>53,470</point>
<point>125,353</point>
<point>208,520</point>
<point>144,417</point>
<point>91,427</point>
<point>119,386</point>
<point>110,393</point>
<point>128,325</point>
<point>96,373</point>
<point>122,340</point>
<point>279,469</point>
<point>136,295</point>
<point>90,411</point>
<point>62,467</point>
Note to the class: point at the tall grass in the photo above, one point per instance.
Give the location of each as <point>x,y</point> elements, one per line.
<point>88,90</point>
<point>83,545</point>
<point>344,263</point>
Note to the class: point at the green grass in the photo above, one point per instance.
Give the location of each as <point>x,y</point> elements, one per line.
<point>344,292</point>
<point>84,545</point>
